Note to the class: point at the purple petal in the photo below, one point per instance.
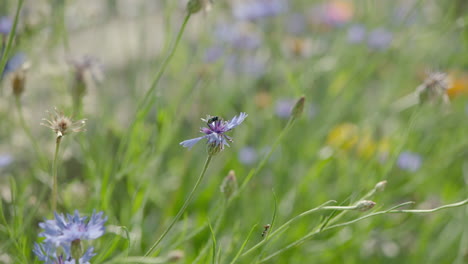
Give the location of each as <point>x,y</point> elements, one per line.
<point>237,120</point>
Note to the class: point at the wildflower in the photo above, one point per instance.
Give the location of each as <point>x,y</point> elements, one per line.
<point>283,108</point>
<point>62,125</point>
<point>215,133</point>
<point>48,253</point>
<point>409,161</point>
<point>458,84</point>
<point>379,39</point>
<point>257,9</point>
<point>296,24</point>
<point>356,34</point>
<point>434,88</point>
<point>247,155</point>
<point>333,13</point>
<point>229,185</point>
<point>5,25</point>
<point>60,232</point>
<point>5,160</point>
<point>16,68</point>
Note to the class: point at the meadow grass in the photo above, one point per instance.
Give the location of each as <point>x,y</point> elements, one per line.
<point>354,149</point>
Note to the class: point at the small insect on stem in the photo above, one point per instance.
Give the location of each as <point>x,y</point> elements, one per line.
<point>265,231</point>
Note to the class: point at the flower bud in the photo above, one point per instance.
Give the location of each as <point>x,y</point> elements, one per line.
<point>229,185</point>
<point>380,186</point>
<point>364,205</point>
<point>18,83</point>
<point>298,108</point>
<point>76,250</point>
<point>194,6</point>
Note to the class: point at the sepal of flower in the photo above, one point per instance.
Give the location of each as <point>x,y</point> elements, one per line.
<point>215,133</point>
<point>61,232</point>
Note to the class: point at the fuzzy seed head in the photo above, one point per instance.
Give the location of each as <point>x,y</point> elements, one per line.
<point>62,125</point>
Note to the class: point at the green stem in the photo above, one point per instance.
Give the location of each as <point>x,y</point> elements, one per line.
<point>391,210</point>
<point>183,208</point>
<point>28,133</point>
<point>54,174</point>
<point>6,52</point>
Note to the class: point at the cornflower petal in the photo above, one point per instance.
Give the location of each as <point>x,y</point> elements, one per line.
<point>237,120</point>
<point>191,142</point>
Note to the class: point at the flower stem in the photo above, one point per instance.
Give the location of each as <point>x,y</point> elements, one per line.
<point>183,208</point>
<point>54,174</point>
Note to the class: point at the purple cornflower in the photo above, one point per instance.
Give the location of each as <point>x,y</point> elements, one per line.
<point>356,34</point>
<point>409,161</point>
<point>248,155</point>
<point>215,133</point>
<point>5,25</point>
<point>5,160</point>
<point>48,253</point>
<point>60,232</point>
<point>15,63</point>
<point>379,39</point>
<point>283,108</point>
<point>257,9</point>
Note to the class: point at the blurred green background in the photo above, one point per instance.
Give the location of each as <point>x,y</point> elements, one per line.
<point>357,63</point>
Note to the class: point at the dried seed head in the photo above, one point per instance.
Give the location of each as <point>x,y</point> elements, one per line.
<point>434,88</point>
<point>229,185</point>
<point>62,125</point>
<point>364,205</point>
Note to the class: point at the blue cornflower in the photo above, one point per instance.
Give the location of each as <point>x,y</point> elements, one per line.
<point>59,232</point>
<point>16,62</point>
<point>5,25</point>
<point>215,132</point>
<point>257,9</point>
<point>409,161</point>
<point>379,39</point>
<point>48,253</point>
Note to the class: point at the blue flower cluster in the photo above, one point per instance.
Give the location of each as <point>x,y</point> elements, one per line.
<point>62,235</point>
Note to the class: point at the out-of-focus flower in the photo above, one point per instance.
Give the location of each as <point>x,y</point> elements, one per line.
<point>241,36</point>
<point>379,39</point>
<point>5,160</point>
<point>15,70</point>
<point>356,34</point>
<point>458,85</point>
<point>87,68</point>
<point>283,108</point>
<point>60,232</point>
<point>409,161</point>
<point>343,136</point>
<point>263,99</point>
<point>213,53</point>
<point>434,88</point>
<point>257,9</point>
<point>296,24</point>
<point>247,155</point>
<point>333,13</point>
<point>62,125</point>
<point>215,133</point>
<point>5,25</point>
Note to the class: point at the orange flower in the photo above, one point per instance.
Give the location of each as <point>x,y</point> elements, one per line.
<point>458,85</point>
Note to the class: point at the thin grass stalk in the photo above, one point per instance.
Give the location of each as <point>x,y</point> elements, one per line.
<point>183,208</point>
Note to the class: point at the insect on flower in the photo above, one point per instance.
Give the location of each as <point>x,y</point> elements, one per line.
<point>215,132</point>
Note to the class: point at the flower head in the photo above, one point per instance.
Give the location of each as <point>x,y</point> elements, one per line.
<point>409,161</point>
<point>434,88</point>
<point>62,124</point>
<point>5,25</point>
<point>48,253</point>
<point>215,133</point>
<point>60,232</point>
